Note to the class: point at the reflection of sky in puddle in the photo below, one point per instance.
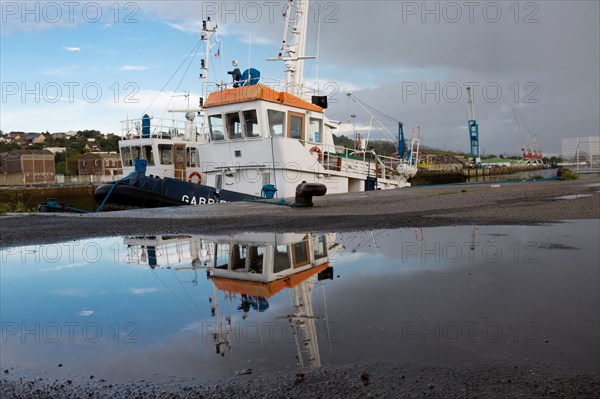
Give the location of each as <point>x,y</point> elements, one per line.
<point>573,196</point>
<point>450,294</point>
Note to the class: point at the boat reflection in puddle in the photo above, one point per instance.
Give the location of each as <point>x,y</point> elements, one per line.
<point>203,307</point>
<point>249,269</point>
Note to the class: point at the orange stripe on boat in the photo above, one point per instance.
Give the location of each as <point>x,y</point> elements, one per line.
<point>255,93</point>
<point>265,290</point>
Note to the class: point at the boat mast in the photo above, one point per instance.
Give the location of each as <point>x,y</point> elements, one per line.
<point>293,45</point>
<point>207,34</point>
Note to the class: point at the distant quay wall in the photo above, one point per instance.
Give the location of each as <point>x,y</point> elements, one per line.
<point>79,195</point>
<point>455,174</point>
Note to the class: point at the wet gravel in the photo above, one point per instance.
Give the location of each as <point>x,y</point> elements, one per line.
<point>361,380</point>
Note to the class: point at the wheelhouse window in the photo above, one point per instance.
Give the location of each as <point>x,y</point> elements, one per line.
<point>238,257</point>
<point>251,123</point>
<point>256,255</point>
<point>300,253</point>
<point>126,156</point>
<point>276,122</point>
<point>320,247</point>
<point>234,126</point>
<point>281,258</point>
<point>296,126</point>
<point>166,154</point>
<point>192,157</point>
<point>315,128</point>
<point>179,154</point>
<point>222,256</point>
<point>215,123</point>
<point>136,153</point>
<point>148,155</point>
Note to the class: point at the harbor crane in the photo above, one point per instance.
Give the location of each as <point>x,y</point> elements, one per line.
<point>407,155</point>
<point>474,157</point>
<point>532,149</point>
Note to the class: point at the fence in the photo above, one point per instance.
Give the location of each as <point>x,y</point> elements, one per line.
<point>17,179</point>
<point>582,150</point>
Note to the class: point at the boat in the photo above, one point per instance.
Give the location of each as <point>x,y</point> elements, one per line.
<point>51,206</point>
<point>254,141</point>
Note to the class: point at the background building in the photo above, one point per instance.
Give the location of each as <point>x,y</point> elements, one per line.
<point>103,165</point>
<point>27,167</point>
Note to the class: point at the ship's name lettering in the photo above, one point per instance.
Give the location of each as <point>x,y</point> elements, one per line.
<point>198,201</point>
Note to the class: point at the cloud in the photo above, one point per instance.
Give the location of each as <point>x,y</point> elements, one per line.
<point>143,291</point>
<point>61,71</point>
<point>85,313</point>
<point>128,68</point>
<point>72,292</point>
<point>64,267</point>
<point>72,49</point>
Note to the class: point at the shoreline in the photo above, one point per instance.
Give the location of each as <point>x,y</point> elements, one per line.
<point>464,204</point>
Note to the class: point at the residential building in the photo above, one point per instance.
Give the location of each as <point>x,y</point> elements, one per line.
<point>100,164</point>
<point>93,147</point>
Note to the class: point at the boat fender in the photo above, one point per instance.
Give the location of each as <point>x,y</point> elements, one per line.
<point>305,192</point>
<point>195,174</point>
<point>318,151</point>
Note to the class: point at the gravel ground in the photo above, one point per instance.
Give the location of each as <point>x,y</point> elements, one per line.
<point>481,204</point>
<point>361,380</point>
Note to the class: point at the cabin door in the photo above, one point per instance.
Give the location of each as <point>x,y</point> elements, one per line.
<point>180,172</point>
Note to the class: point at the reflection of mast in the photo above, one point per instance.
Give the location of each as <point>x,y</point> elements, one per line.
<point>221,336</point>
<point>304,326</point>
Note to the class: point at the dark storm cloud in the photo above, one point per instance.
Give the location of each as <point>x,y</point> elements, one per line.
<point>542,56</point>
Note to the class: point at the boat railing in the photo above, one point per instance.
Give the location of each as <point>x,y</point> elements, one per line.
<point>342,159</point>
<point>158,128</point>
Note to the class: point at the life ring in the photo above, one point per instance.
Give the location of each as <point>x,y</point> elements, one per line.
<point>195,174</point>
<point>319,153</point>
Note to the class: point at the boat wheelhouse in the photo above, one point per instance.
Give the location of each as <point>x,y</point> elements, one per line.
<point>168,146</point>
<point>259,136</point>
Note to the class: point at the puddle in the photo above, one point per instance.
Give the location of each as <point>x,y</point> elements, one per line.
<point>199,308</point>
<point>572,196</point>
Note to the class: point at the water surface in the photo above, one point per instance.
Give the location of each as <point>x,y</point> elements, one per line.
<point>156,308</point>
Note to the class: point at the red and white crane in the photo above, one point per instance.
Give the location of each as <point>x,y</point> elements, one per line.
<point>532,144</point>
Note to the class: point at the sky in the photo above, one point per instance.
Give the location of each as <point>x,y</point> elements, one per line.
<point>91,64</point>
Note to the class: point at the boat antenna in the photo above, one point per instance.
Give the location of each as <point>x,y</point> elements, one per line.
<point>208,32</point>
<point>249,55</point>
<point>318,51</point>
